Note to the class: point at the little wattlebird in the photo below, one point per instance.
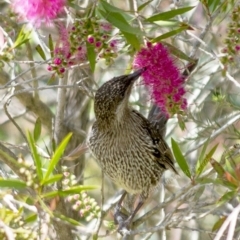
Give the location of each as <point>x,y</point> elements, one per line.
<point>128,147</point>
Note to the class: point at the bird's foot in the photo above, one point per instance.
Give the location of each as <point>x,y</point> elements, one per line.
<point>119,216</point>
<point>123,221</point>
<point>125,226</point>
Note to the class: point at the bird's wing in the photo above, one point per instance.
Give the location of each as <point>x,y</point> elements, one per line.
<point>161,150</point>
<point>158,119</point>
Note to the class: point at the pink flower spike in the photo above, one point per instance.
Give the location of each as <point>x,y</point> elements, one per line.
<point>162,77</point>
<point>37,11</point>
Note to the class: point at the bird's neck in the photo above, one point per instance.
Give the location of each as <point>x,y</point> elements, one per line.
<point>116,119</point>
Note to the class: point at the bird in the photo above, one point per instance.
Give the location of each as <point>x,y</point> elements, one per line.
<point>129,148</point>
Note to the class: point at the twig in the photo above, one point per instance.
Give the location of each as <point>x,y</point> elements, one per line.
<point>61,100</point>
<point>232,119</point>
<point>102,212</point>
<point>33,70</point>
<point>231,219</point>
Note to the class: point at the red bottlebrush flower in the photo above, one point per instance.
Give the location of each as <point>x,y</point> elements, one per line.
<point>37,11</point>
<point>163,78</point>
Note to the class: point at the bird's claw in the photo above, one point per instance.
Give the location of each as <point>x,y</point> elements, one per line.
<point>123,221</point>
<point>119,217</point>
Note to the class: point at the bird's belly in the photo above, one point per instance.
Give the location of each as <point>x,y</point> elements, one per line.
<point>133,170</point>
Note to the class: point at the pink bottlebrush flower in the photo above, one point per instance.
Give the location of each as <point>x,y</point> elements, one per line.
<point>62,70</point>
<point>237,47</point>
<point>49,68</point>
<point>81,54</point>
<point>57,61</point>
<point>37,11</point>
<point>105,26</point>
<point>91,39</point>
<point>163,78</point>
<point>98,44</point>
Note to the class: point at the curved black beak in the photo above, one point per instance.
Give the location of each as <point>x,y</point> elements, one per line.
<point>135,75</point>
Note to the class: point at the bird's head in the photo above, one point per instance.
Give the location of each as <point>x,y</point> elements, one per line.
<point>111,99</point>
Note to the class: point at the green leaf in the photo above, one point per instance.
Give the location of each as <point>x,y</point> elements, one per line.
<point>212,5</point>
<point>52,79</point>
<point>217,167</point>
<point>67,219</point>
<point>141,7</point>
<point>77,189</point>
<point>198,193</point>
<point>132,40</point>
<point>37,129</point>
<point>31,218</point>
<point>169,14</point>
<point>202,154</point>
<point>91,55</point>
<point>117,20</point>
<point>41,52</point>
<point>52,179</point>
<point>12,183</point>
<point>35,155</point>
<point>178,53</point>
<point>56,156</point>
<point>218,223</point>
<point>226,197</point>
<point>72,190</point>
<point>180,158</point>
<point>110,8</point>
<point>202,162</point>
<point>169,34</point>
<point>50,44</point>
<point>22,38</point>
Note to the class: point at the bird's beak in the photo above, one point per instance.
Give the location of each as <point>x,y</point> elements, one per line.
<point>134,76</point>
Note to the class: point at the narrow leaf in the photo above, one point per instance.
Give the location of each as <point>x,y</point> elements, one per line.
<point>35,155</point>
<point>218,223</point>
<point>77,189</point>
<point>169,14</point>
<point>226,197</point>
<point>91,55</point>
<point>57,155</point>
<point>202,162</point>
<point>141,7</point>
<point>169,34</point>
<point>178,53</point>
<point>52,179</point>
<point>217,167</point>
<point>132,40</point>
<point>12,183</point>
<point>198,193</point>
<point>202,154</point>
<point>180,158</point>
<point>110,8</point>
<point>37,129</point>
<point>41,52</point>
<point>118,20</point>
<point>63,193</point>
<point>50,44</point>
<point>31,218</point>
<point>22,38</point>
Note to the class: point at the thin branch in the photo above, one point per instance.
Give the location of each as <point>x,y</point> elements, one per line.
<point>39,108</point>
